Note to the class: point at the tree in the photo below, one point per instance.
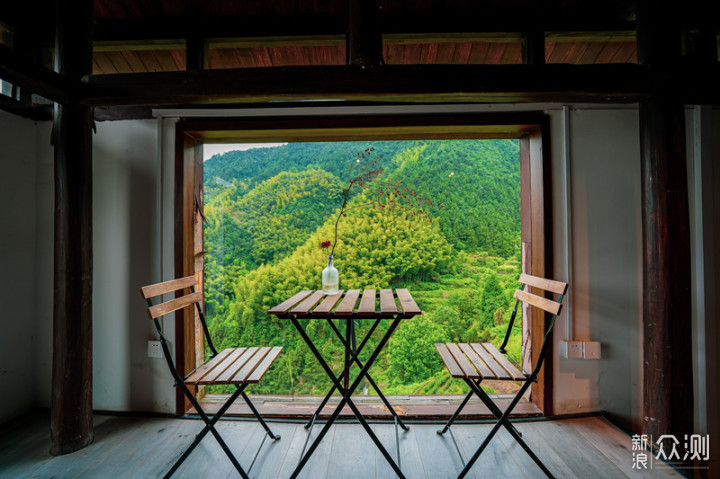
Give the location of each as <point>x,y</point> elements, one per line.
<point>492,299</point>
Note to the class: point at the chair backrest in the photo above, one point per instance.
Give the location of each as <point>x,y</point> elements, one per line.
<point>554,307</point>
<point>159,309</point>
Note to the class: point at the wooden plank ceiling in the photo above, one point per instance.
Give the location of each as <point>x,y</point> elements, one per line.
<point>475,53</point>
<point>325,22</point>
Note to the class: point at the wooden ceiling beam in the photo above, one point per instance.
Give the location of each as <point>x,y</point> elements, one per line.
<point>485,83</point>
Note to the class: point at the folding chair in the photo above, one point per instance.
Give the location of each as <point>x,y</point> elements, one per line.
<point>475,362</point>
<point>237,366</point>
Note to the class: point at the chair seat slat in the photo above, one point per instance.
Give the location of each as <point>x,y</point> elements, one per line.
<point>242,375</point>
<point>462,361</point>
<point>476,360</point>
<point>514,372</point>
<point>449,361</point>
<point>221,365</point>
<point>497,370</point>
<point>264,365</point>
<point>200,372</point>
<point>237,363</point>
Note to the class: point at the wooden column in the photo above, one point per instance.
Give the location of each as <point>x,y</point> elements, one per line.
<point>364,40</point>
<point>71,413</point>
<point>667,353</point>
<point>533,48</point>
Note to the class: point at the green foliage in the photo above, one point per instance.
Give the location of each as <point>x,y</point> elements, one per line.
<point>268,210</point>
<point>408,350</point>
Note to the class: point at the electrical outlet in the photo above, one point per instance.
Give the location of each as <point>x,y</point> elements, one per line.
<point>572,349</point>
<point>154,349</point>
<point>591,350</point>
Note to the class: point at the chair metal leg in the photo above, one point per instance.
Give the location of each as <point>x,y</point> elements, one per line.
<point>455,414</point>
<point>209,427</point>
<point>502,421</point>
<point>260,418</point>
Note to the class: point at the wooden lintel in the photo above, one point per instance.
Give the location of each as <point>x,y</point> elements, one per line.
<point>489,83</point>
<point>35,77</point>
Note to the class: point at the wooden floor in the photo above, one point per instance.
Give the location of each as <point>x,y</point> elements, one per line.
<point>146,447</point>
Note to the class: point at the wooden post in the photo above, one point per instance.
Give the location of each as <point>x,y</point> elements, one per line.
<point>533,48</point>
<point>364,41</point>
<point>71,413</point>
<point>667,344</point>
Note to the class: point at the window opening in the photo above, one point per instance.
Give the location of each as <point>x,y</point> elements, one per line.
<point>268,207</point>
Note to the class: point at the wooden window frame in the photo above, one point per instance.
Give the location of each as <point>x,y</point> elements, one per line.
<point>530,128</point>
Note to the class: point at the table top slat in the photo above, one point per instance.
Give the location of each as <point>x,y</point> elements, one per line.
<point>347,305</point>
<point>328,303</point>
<point>498,370</point>
<point>407,303</point>
<point>387,302</point>
<point>367,303</point>
<point>286,305</point>
<point>308,303</point>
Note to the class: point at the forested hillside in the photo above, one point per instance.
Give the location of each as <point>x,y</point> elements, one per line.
<point>268,210</point>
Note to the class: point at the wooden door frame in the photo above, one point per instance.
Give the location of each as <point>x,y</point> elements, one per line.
<point>531,128</point>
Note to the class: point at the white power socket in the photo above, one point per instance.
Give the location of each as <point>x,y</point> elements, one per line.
<point>571,349</point>
<point>154,349</point>
<point>591,350</point>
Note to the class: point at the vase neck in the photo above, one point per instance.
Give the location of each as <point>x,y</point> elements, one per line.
<point>330,260</point>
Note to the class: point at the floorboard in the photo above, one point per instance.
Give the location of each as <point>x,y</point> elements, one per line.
<point>135,447</point>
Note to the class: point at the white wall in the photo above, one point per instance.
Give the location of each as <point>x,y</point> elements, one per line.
<point>126,238</point>
<point>606,284</point>
<point>17,281</point>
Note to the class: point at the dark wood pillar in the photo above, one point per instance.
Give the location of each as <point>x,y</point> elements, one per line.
<point>533,48</point>
<point>667,386</point>
<point>364,40</point>
<point>71,413</point>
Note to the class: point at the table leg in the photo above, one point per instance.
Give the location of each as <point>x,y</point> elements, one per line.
<point>348,352</point>
<point>347,393</point>
<point>356,360</point>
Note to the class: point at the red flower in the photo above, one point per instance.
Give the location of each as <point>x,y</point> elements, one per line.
<point>325,244</point>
